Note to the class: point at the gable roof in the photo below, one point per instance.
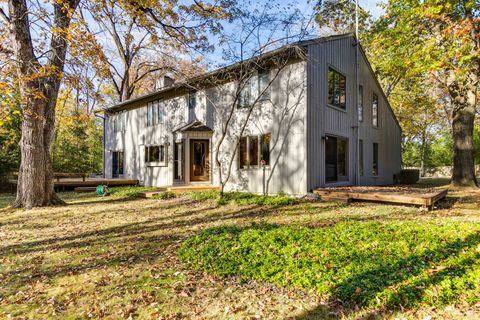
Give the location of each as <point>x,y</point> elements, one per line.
<point>293,51</point>
<point>194,126</point>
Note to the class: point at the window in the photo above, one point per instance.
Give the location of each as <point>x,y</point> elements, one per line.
<point>178,161</point>
<point>336,159</point>
<point>119,121</point>
<point>162,112</point>
<point>254,150</point>
<point>375,160</point>
<point>263,83</point>
<point>360,157</point>
<point>117,163</point>
<point>243,153</point>
<point>375,111</point>
<point>336,89</point>
<point>156,113</point>
<point>360,103</point>
<point>253,87</point>
<point>192,100</point>
<point>155,155</point>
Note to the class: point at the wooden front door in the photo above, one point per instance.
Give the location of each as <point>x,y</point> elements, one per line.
<point>199,160</point>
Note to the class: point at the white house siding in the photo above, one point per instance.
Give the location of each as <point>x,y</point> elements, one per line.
<point>324,120</point>
<point>283,117</point>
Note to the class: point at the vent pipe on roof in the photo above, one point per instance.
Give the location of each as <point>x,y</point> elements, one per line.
<point>163,82</point>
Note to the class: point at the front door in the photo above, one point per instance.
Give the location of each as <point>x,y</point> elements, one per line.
<point>117,164</point>
<point>199,160</point>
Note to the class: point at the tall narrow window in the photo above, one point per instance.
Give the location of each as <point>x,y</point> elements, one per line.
<point>178,161</point>
<point>360,157</point>
<point>375,110</point>
<point>253,151</point>
<point>246,96</point>
<point>192,100</point>
<point>375,160</point>
<point>336,89</point>
<point>360,103</point>
<point>162,111</point>
<point>263,83</point>
<point>243,153</point>
<point>149,114</point>
<point>265,149</point>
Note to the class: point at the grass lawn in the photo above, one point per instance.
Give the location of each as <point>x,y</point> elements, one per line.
<point>196,257</point>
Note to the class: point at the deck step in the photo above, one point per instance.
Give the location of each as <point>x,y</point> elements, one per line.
<point>151,194</point>
<point>85,189</point>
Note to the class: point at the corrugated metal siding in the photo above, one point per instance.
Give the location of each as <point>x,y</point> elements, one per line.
<point>324,120</point>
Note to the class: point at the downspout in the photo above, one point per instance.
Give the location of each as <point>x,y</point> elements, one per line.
<point>103,142</point>
<point>357,75</point>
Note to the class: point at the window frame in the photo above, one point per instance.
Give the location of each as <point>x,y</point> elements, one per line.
<point>375,114</point>
<point>120,121</point>
<point>162,150</point>
<point>361,168</point>
<point>192,96</point>
<point>249,165</point>
<point>375,168</point>
<point>263,74</point>
<point>332,105</point>
<point>360,103</point>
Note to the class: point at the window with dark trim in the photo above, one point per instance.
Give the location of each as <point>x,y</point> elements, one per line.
<point>360,103</point>
<point>375,110</point>
<point>360,157</point>
<point>254,151</point>
<point>375,160</point>
<point>337,84</point>
<point>155,155</point>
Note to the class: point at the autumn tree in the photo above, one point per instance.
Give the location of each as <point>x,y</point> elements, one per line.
<point>146,40</point>
<point>441,39</point>
<point>41,33</point>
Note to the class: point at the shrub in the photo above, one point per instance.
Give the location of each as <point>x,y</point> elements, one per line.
<point>128,192</point>
<point>367,264</point>
<point>409,176</point>
<point>245,198</point>
<point>165,195</point>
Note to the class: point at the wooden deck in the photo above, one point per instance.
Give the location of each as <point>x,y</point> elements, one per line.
<point>401,195</point>
<point>179,189</point>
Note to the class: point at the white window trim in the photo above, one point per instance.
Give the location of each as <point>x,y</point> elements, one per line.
<point>249,167</point>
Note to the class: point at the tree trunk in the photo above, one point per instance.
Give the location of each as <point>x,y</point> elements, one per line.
<point>463,117</point>
<point>423,159</point>
<point>39,92</point>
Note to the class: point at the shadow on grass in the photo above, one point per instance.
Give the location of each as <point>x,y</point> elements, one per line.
<point>407,275</point>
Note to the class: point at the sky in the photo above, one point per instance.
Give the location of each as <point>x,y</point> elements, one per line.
<point>217,58</point>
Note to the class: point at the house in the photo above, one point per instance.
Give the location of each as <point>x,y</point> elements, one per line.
<point>297,118</point>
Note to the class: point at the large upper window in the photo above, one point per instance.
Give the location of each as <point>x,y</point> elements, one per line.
<point>254,151</point>
<point>156,112</point>
<point>375,110</point>
<point>155,155</point>
<point>337,84</point>
<point>255,88</point>
<point>360,103</point>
